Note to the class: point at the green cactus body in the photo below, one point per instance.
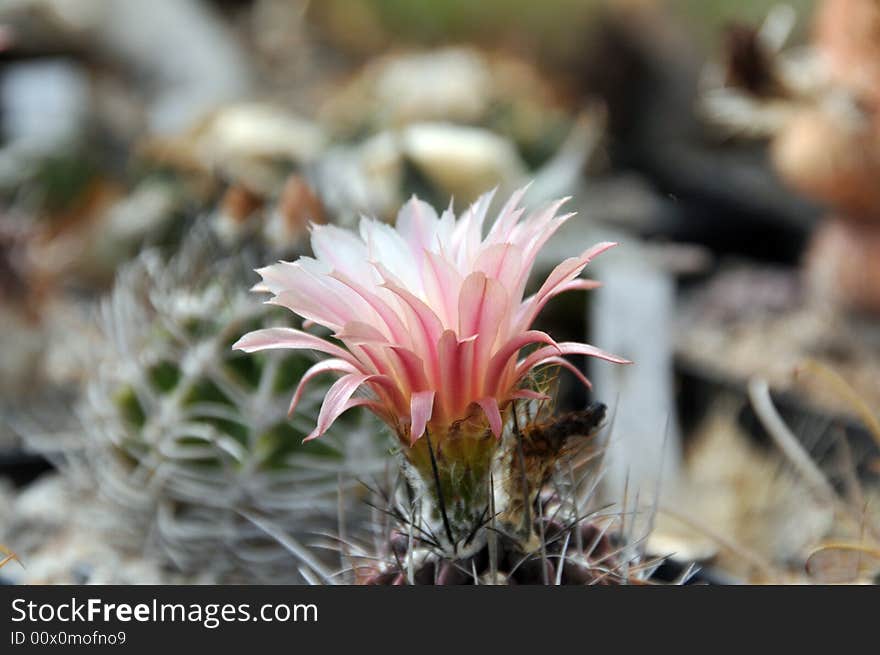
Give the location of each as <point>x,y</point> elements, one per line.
<point>188,441</point>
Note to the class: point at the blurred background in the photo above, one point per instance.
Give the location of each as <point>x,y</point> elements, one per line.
<point>154,153</point>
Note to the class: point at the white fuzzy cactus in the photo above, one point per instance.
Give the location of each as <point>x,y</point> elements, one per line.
<point>188,443</point>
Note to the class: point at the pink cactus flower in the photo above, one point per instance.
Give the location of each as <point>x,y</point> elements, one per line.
<point>428,318</point>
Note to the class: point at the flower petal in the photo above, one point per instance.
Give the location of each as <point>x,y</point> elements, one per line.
<point>449,377</point>
<point>392,321</point>
<point>558,278</point>
<point>387,246</point>
<point>442,283</point>
<point>417,224</point>
<point>507,217</point>
<point>503,356</point>
<point>421,409</point>
<point>358,332</point>
<point>276,277</point>
<point>502,261</point>
<point>564,363</point>
<point>338,411</point>
<point>490,407</point>
<point>409,368</point>
<point>270,338</point>
<point>323,366</point>
<point>423,325</point>
<point>341,250</point>
<point>469,231</point>
<point>322,298</point>
<point>481,306</point>
<point>551,353</point>
<point>483,311</point>
<point>338,400</point>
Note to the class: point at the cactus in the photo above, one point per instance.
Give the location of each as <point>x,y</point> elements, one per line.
<point>431,316</point>
<point>188,443</point>
<point>550,530</point>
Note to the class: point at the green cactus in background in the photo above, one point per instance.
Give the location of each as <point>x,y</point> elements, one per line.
<point>188,443</point>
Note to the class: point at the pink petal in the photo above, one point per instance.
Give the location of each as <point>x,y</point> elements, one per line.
<point>372,351</point>
<point>340,250</point>
<point>532,305</point>
<point>564,363</point>
<point>357,333</point>
<point>501,358</point>
<point>483,310</point>
<point>314,312</point>
<point>551,354</point>
<point>276,277</point>
<point>560,276</point>
<point>572,267</point>
<point>425,317</point>
<point>470,385</point>
<point>409,367</point>
<point>469,231</point>
<point>322,299</point>
<point>490,407</point>
<point>337,400</point>
<point>573,348</point>
<point>389,393</point>
<point>508,216</point>
<point>387,246</point>
<point>449,381</point>
<point>532,235</point>
<point>421,409</point>
<point>417,224</point>
<point>580,284</point>
<point>452,385</point>
<point>270,338</point>
<point>481,306</point>
<point>538,227</point>
<point>386,313</point>
<point>424,326</point>
<point>502,261</point>
<point>446,225</point>
<point>442,283</point>
<point>349,404</point>
<point>321,367</point>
